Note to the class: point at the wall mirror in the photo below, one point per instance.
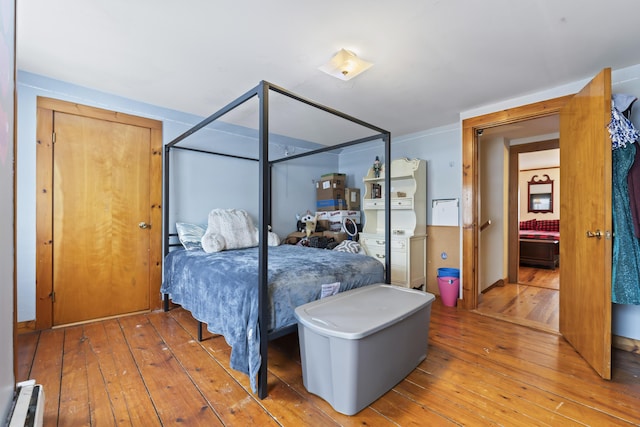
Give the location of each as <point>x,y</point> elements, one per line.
<point>540,194</point>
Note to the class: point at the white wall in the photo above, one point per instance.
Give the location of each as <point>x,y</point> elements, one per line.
<point>523,185</point>
<point>7,256</point>
<point>493,206</point>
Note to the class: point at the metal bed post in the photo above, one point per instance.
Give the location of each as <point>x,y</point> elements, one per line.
<point>387,209</point>
<point>165,216</point>
<point>264,186</point>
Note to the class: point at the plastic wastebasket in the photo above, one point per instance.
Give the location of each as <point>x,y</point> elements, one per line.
<point>449,285</point>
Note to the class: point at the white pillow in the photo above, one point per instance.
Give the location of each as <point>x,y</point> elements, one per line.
<point>212,242</point>
<point>272,238</point>
<point>234,225</point>
<point>190,235</point>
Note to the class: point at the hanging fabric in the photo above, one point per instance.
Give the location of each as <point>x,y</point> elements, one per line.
<point>633,184</point>
<point>621,129</point>
<point>625,278</point>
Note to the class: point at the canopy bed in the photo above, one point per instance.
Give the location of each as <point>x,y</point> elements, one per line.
<point>265,291</point>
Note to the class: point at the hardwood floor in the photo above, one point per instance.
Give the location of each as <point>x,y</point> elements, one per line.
<point>523,304</point>
<point>149,369</point>
<point>533,302</point>
<point>540,277</point>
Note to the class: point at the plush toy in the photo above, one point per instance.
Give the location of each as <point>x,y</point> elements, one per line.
<point>299,224</point>
<point>309,222</point>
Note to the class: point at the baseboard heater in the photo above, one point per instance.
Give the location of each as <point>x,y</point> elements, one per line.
<point>28,405</point>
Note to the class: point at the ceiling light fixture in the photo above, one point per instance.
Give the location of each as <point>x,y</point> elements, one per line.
<point>345,65</point>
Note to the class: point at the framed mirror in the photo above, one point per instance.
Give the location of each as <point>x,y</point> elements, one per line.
<point>540,195</point>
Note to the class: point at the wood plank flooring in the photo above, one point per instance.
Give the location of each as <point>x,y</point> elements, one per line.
<point>533,302</point>
<point>540,277</point>
<point>149,369</point>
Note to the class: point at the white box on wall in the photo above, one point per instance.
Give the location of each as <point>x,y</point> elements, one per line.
<point>444,212</point>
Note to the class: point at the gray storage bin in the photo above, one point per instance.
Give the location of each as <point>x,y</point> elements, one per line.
<point>356,345</point>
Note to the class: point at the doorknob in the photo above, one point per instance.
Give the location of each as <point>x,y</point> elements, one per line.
<point>597,234</point>
<point>144,225</point>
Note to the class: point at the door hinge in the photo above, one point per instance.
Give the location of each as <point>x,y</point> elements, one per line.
<point>53,137</point>
<point>52,295</point>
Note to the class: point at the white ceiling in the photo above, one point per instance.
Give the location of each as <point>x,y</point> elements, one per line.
<point>433,58</point>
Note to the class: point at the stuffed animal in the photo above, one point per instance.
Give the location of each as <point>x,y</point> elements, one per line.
<point>309,222</point>
<point>299,224</point>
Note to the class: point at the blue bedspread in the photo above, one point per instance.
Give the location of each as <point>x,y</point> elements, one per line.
<point>221,289</point>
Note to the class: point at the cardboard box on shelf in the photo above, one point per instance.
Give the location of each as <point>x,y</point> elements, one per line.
<point>331,204</point>
<point>335,225</point>
<point>338,236</point>
<point>337,176</point>
<point>295,237</point>
<point>352,196</point>
<point>335,181</point>
<point>329,193</point>
<point>339,215</point>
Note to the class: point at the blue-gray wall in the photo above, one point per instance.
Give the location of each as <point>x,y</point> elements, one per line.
<point>206,182</point>
<point>294,189</point>
<point>7,256</point>
<point>440,147</point>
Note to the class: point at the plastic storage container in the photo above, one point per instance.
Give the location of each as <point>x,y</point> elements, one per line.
<point>449,285</point>
<point>356,345</point>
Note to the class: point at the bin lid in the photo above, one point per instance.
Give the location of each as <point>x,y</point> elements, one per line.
<point>448,272</point>
<point>363,311</point>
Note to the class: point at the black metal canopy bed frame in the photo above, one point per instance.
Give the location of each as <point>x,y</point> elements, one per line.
<point>262,91</point>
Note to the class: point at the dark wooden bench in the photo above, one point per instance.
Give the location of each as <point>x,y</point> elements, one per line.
<point>539,253</point>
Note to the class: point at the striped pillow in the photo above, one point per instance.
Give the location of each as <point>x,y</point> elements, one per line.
<point>348,246</point>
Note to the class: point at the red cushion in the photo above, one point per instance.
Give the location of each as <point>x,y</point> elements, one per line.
<point>548,225</point>
<point>528,225</point>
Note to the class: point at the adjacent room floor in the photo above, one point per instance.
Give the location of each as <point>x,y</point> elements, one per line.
<point>532,302</point>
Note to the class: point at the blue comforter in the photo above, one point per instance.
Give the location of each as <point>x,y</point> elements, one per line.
<point>221,289</point>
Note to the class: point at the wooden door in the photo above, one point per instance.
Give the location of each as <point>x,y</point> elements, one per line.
<point>585,207</point>
<point>101,194</point>
<point>99,216</point>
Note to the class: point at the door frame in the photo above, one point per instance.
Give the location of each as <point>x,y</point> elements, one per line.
<point>44,199</point>
<point>471,184</point>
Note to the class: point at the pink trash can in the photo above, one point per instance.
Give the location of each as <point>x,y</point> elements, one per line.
<point>449,285</point>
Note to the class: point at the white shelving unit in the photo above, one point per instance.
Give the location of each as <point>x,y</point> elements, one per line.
<point>408,221</point>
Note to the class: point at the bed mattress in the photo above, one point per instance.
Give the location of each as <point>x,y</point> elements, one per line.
<point>221,289</point>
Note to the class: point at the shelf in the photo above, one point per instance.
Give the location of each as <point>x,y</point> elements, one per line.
<point>408,220</point>
<point>400,203</point>
<point>381,179</point>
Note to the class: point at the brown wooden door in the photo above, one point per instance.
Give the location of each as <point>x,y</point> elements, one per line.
<point>585,206</point>
<point>99,216</point>
<point>101,194</point>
